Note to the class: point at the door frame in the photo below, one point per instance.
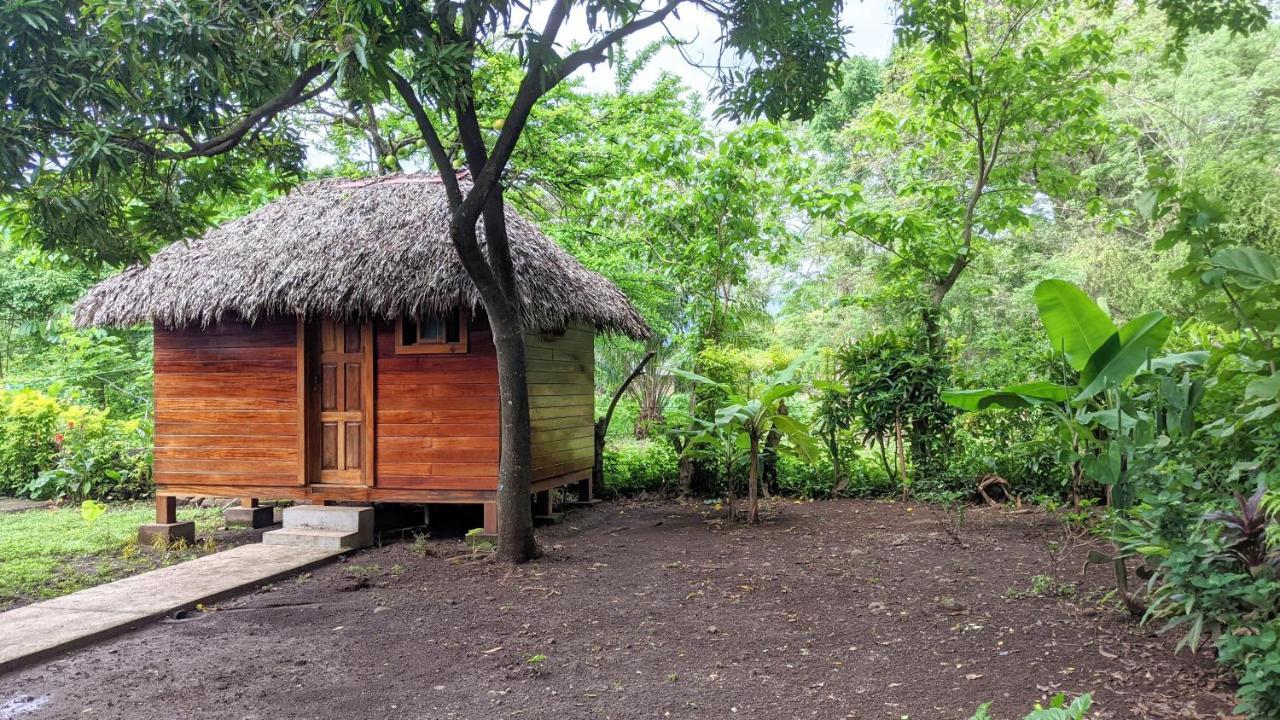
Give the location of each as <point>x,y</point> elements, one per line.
<point>308,426</point>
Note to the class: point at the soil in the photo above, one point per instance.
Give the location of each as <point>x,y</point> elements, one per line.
<point>847,609</point>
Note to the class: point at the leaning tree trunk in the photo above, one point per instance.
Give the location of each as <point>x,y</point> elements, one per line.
<point>601,427</point>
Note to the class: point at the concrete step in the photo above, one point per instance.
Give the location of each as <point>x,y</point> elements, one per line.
<point>329,517</point>
<point>321,539</point>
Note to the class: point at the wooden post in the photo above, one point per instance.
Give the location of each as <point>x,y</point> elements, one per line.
<point>491,518</point>
<point>542,505</point>
<point>248,502</point>
<point>587,490</point>
<point>166,509</point>
<point>166,528</point>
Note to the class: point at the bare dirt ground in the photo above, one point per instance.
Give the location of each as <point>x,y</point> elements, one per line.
<point>844,609</point>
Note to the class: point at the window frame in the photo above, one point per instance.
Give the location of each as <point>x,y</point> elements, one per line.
<point>437,348</point>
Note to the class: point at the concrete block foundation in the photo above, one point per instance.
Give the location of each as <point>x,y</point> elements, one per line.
<point>170,532</point>
<point>249,517</point>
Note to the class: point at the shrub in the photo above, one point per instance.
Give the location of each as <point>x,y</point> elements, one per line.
<point>1215,577</point>
<point>864,477</point>
<point>1057,709</point>
<point>1021,447</point>
<point>50,450</point>
<point>98,458</point>
<point>633,466</point>
<point>29,420</point>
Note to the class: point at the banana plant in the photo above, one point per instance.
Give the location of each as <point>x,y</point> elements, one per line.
<point>1103,424</point>
<point>748,417</point>
<point>1099,359</point>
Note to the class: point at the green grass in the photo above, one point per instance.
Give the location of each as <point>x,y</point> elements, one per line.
<point>47,553</point>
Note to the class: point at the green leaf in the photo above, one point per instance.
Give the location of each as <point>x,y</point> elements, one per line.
<point>797,434</point>
<point>700,379</point>
<point>1147,203</point>
<point>1192,358</point>
<point>1012,397</point>
<point>1077,327</point>
<point>1267,388</point>
<point>1249,268</point>
<point>1133,345</point>
<point>1261,413</point>
<point>773,394</point>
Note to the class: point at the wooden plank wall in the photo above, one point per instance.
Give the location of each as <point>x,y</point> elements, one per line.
<point>436,415</point>
<point>561,401</point>
<point>227,405</point>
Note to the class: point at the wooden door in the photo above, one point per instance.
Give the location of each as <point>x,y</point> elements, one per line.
<point>342,397</point>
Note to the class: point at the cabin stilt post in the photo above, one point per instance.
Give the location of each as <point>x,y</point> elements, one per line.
<point>586,492</point>
<point>166,527</point>
<point>544,510</point>
<point>491,519</point>
<point>166,509</point>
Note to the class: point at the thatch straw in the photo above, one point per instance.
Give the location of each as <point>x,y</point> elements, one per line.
<point>349,248</point>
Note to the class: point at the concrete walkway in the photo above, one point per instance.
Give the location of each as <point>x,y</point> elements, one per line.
<point>37,631</point>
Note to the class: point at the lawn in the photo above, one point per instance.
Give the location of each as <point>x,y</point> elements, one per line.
<point>47,553</point>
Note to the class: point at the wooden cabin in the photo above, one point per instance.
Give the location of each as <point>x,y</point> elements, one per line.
<point>329,346</point>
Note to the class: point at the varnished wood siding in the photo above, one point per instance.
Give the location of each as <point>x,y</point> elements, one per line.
<point>436,415</point>
<point>227,405</point>
<point>561,401</point>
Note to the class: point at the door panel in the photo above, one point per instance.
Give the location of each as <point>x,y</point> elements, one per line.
<point>341,359</point>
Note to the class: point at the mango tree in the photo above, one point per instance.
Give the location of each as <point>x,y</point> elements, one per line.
<point>123,119</point>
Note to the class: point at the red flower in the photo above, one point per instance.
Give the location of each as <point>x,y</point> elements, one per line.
<point>57,437</point>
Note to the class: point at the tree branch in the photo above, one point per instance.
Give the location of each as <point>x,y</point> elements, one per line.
<point>444,165</point>
<point>292,96</point>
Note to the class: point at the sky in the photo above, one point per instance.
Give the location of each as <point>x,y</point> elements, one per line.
<point>870,24</point>
<point>870,33</point>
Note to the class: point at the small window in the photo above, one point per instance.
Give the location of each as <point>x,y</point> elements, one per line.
<point>445,333</point>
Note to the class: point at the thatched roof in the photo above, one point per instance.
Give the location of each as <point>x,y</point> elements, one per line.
<point>342,248</point>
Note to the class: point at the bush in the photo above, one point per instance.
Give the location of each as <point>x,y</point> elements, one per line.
<point>98,458</point>
<point>1216,579</point>
<point>1021,447</point>
<point>864,476</point>
<point>1057,709</point>
<point>55,451</point>
<point>29,420</point>
<point>633,466</point>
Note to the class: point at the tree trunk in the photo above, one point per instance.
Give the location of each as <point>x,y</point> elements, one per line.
<point>753,481</point>
<point>769,460</point>
<point>602,425</point>
<point>515,516</point>
<point>1077,472</point>
<point>837,474</point>
<point>884,459</point>
<point>901,452</point>
<point>732,495</point>
<point>686,463</point>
